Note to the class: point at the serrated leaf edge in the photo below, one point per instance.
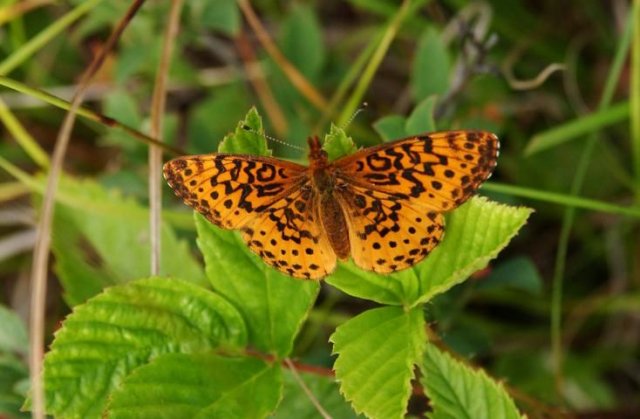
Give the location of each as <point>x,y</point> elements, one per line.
<point>478,263</point>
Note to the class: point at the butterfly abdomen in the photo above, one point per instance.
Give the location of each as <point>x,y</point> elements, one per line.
<point>335,225</point>
<point>330,212</point>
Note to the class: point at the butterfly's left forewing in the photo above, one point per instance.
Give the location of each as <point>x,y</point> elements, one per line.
<point>231,190</point>
<point>271,201</point>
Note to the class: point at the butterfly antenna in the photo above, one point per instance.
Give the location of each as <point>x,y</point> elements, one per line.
<point>350,120</point>
<point>273,139</point>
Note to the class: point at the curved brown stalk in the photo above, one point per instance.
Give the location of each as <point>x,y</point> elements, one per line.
<point>43,239</point>
<point>158,103</point>
<point>295,77</point>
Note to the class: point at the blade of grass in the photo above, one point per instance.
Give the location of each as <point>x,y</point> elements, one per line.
<point>580,126</point>
<point>27,183</point>
<point>22,137</point>
<point>12,190</point>
<point>370,70</point>
<point>21,55</point>
<point>348,80</point>
<point>569,214</point>
<point>41,39</point>
<point>43,240</point>
<point>312,398</point>
<point>562,199</point>
<point>86,113</point>
<point>158,104</point>
<point>415,22</point>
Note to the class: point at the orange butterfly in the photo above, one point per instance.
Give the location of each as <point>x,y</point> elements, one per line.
<point>382,205</point>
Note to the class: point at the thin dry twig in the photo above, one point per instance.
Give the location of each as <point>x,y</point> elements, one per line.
<point>472,60</point>
<point>158,104</point>
<point>517,84</point>
<point>16,243</point>
<point>43,242</point>
<point>306,390</point>
<point>89,114</point>
<point>271,106</point>
<point>296,78</point>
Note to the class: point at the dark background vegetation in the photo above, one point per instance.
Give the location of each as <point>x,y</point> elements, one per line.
<point>501,319</point>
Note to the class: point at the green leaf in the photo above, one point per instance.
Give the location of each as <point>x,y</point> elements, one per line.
<point>274,305</point>
<point>391,127</point>
<point>421,119</point>
<point>122,106</point>
<point>517,273</point>
<point>221,15</point>
<point>125,327</point>
<point>13,333</point>
<point>198,386</point>
<point>248,137</point>
<point>383,289</point>
<point>212,118</point>
<point>431,66</point>
<point>296,404</point>
<point>338,144</point>
<point>457,391</point>
<point>13,372</point>
<point>102,238</point>
<point>141,55</point>
<point>301,41</point>
<point>475,234</point>
<point>376,354</point>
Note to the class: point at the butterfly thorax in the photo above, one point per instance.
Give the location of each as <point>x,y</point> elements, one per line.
<point>330,211</point>
<point>318,158</point>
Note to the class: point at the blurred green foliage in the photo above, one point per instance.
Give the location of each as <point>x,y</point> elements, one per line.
<point>447,68</point>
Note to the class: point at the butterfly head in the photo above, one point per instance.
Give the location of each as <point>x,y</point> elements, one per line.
<point>318,158</point>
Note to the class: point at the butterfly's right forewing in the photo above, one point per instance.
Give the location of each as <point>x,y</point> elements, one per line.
<point>437,171</point>
<point>394,194</point>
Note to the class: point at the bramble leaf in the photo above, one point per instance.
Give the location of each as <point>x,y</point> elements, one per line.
<point>377,351</point>
<point>457,391</point>
<point>126,327</point>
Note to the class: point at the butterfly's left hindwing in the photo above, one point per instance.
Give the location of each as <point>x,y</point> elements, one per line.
<point>271,201</point>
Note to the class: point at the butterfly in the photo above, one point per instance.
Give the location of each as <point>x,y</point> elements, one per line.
<point>382,205</point>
